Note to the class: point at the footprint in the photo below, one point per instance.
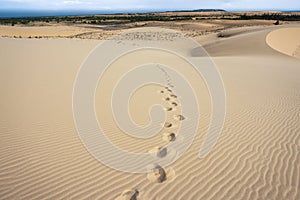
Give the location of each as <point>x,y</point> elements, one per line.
<point>159,151</point>
<point>167,99</point>
<point>129,194</point>
<point>157,174</point>
<point>168,108</point>
<point>174,104</point>
<point>168,89</point>
<point>168,125</point>
<point>179,117</point>
<point>169,137</point>
<point>173,95</point>
<point>162,91</point>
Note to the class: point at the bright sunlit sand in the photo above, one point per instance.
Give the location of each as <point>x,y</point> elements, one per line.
<point>285,40</point>
<point>256,156</point>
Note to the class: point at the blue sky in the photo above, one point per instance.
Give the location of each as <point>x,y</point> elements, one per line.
<point>150,4</point>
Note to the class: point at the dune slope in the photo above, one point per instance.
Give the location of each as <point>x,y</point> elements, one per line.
<point>256,157</point>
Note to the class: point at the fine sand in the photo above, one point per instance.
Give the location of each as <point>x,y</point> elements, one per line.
<point>285,40</point>
<point>54,31</point>
<point>256,157</point>
<point>195,28</point>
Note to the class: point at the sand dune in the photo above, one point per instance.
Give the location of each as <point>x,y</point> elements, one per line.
<point>285,40</point>
<point>256,157</point>
<point>54,31</point>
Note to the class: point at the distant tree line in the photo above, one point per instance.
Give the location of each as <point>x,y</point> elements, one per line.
<point>271,16</point>
<point>94,19</point>
<point>200,10</point>
<point>125,18</point>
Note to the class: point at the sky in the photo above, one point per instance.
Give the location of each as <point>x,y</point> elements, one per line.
<point>149,4</point>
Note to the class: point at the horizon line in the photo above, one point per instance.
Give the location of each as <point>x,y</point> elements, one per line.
<point>31,13</point>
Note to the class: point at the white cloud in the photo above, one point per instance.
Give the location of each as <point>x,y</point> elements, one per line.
<point>73,2</point>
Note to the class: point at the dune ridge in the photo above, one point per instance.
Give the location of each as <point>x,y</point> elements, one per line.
<point>286,41</point>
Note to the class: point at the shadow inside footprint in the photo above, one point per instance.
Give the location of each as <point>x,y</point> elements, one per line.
<point>129,194</point>
<point>159,151</point>
<point>157,174</point>
<point>168,89</point>
<point>179,117</point>
<point>174,104</point>
<point>169,137</point>
<point>168,125</point>
<point>168,108</point>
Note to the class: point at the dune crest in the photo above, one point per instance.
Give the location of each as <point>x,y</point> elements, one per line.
<point>286,41</point>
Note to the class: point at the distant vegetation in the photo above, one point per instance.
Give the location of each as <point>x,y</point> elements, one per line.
<point>127,18</point>
<point>274,16</point>
<point>95,19</point>
<point>200,10</point>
